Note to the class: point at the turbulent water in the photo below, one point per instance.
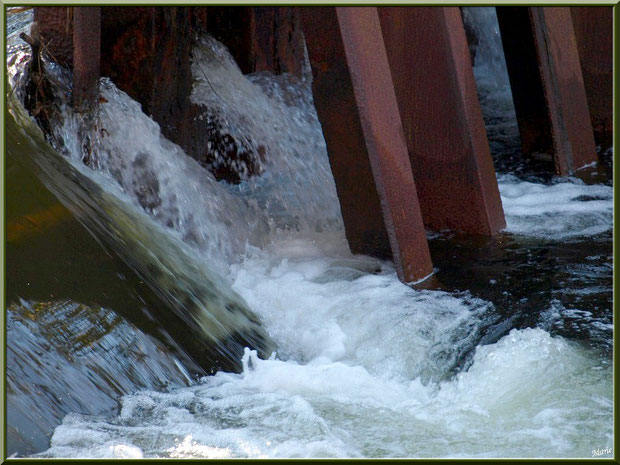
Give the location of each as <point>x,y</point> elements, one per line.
<point>511,357</point>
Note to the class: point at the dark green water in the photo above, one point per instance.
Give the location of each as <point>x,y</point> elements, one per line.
<point>81,326</point>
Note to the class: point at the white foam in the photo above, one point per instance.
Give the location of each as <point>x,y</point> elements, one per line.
<point>333,308</point>
<point>565,209</point>
<point>528,395</point>
<point>188,448</point>
<point>358,373</point>
<point>277,112</point>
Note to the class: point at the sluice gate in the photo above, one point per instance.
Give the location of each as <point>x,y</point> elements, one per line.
<point>394,91</point>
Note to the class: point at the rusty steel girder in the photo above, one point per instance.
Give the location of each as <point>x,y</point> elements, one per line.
<point>547,84</point>
<point>72,37</point>
<point>442,120</point>
<point>86,56</point>
<point>594,33</point>
<point>356,104</point>
<point>55,27</point>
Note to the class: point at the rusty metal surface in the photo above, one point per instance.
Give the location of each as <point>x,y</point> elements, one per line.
<point>565,91</point>
<point>86,56</point>
<point>289,41</point>
<point>594,33</point>
<point>357,108</point>
<point>262,39</point>
<point>442,120</point>
<point>541,56</point>
<point>55,26</point>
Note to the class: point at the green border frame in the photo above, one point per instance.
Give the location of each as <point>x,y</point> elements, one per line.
<point>616,126</point>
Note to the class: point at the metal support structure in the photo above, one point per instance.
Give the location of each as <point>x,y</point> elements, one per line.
<point>547,84</point>
<point>86,56</point>
<point>442,120</point>
<point>594,33</point>
<point>55,27</point>
<point>356,104</point>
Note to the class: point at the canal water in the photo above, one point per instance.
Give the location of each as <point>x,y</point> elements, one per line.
<point>134,285</point>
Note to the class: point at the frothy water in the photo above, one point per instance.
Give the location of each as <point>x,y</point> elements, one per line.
<point>567,208</point>
<point>216,219</point>
<point>364,366</point>
<point>278,114</point>
<point>528,395</point>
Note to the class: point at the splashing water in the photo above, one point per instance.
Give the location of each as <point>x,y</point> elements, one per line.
<point>567,208</point>
<point>365,366</point>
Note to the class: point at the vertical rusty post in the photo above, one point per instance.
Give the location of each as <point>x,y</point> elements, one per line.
<point>356,105</point>
<point>547,84</point>
<point>276,42</point>
<point>442,120</point>
<point>146,53</point>
<point>86,56</point>
<point>594,33</point>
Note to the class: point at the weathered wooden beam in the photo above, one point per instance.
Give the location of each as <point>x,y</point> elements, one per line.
<point>277,43</point>
<point>55,27</point>
<point>594,33</point>
<point>356,104</point>
<point>442,120</point>
<point>86,56</point>
<point>547,84</point>
<point>265,38</point>
<point>146,53</point>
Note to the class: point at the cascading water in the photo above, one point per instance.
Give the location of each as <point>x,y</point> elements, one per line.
<point>494,89</point>
<point>493,365</point>
<point>489,62</point>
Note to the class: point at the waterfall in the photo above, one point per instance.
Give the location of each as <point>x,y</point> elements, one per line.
<point>489,63</point>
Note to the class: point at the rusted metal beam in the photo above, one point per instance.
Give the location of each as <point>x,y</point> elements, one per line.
<point>86,56</point>
<point>72,36</point>
<point>594,33</point>
<point>547,84</point>
<point>356,104</point>
<point>442,120</point>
